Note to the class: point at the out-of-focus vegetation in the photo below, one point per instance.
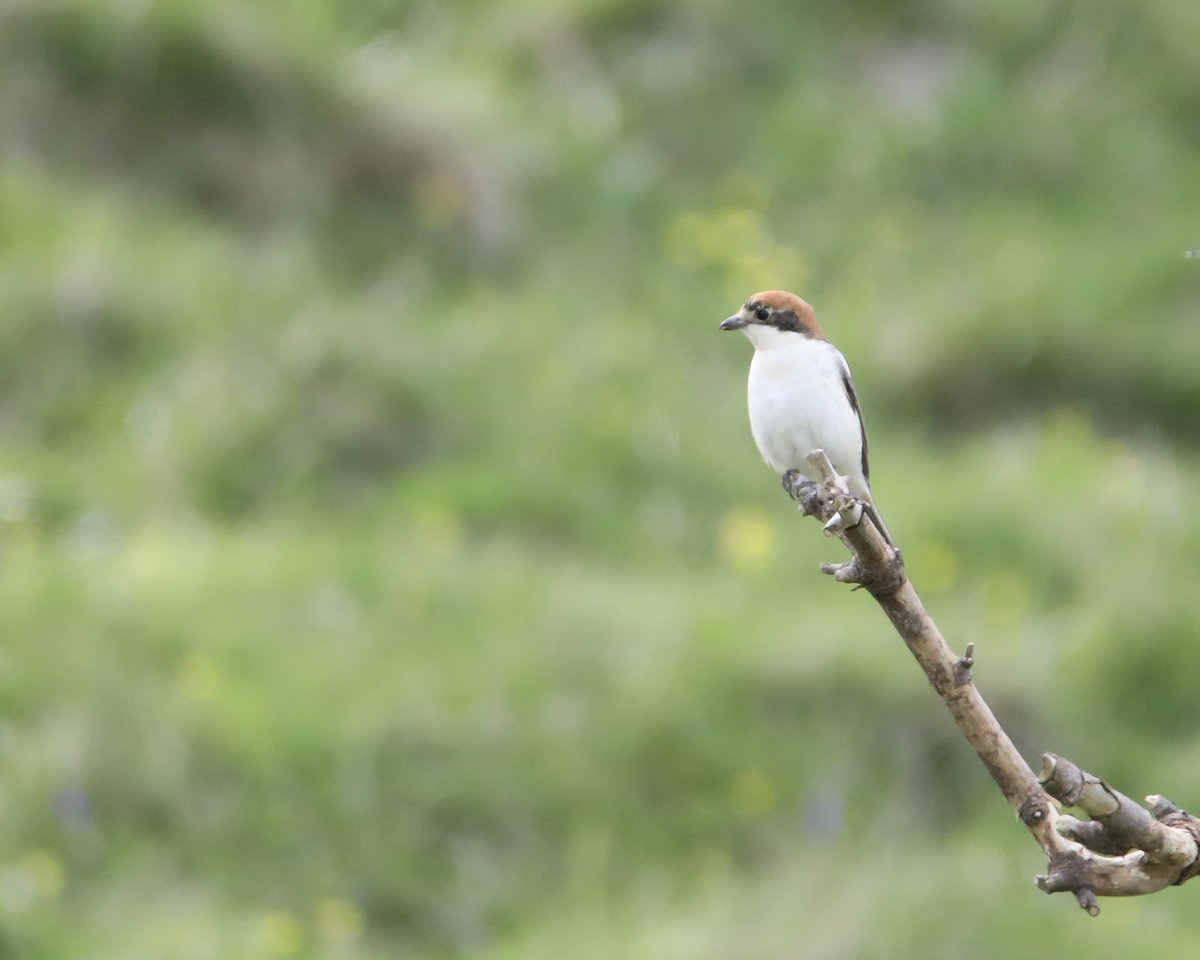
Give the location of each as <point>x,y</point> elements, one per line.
<point>387,570</point>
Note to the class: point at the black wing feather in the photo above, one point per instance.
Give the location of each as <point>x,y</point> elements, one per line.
<point>862,427</point>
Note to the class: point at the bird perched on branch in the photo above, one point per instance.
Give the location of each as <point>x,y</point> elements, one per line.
<point>801,395</point>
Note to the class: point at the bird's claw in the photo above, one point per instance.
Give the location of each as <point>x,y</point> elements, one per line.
<point>795,483</point>
<point>802,490</point>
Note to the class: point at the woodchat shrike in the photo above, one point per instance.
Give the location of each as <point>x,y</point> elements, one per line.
<point>801,396</point>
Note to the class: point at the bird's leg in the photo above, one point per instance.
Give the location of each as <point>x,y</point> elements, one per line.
<point>801,489</point>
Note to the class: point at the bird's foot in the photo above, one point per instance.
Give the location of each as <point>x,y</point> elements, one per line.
<point>795,483</point>
<point>804,491</point>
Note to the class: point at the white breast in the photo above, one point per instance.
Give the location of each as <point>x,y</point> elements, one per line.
<point>798,402</point>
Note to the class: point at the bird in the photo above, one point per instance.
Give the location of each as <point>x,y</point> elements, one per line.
<point>801,396</point>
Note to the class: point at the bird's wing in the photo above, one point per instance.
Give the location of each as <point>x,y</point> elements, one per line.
<point>853,398</point>
<point>862,427</point>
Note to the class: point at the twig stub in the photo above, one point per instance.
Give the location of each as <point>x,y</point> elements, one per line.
<point>1034,809</point>
<point>962,668</point>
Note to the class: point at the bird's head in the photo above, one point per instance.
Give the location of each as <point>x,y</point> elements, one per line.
<point>772,313</point>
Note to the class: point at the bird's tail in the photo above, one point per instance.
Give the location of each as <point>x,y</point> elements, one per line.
<point>861,488</point>
<point>870,507</point>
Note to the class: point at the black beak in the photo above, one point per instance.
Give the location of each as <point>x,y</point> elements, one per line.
<point>733,323</point>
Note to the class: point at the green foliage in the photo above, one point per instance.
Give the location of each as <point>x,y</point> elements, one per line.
<point>385,566</point>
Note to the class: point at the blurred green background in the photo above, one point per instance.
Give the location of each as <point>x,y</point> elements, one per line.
<point>387,569</point>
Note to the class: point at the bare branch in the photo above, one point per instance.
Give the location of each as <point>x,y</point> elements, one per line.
<point>1124,850</point>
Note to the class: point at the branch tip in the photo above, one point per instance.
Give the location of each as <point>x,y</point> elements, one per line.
<point>848,572</point>
<point>1068,877</point>
<point>1087,900</point>
<point>820,462</point>
<point>1051,883</point>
